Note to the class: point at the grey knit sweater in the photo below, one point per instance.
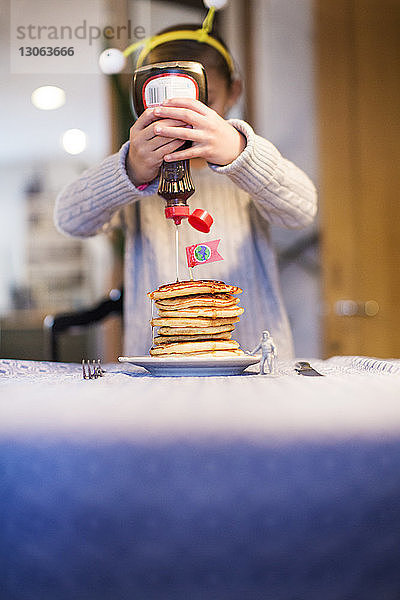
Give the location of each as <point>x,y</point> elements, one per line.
<point>258,188</point>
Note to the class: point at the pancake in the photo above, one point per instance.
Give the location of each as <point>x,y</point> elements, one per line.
<point>195,318</point>
<point>190,331</point>
<point>197,311</point>
<point>192,321</point>
<point>195,286</point>
<point>203,300</point>
<point>211,354</point>
<point>160,340</point>
<point>189,347</point>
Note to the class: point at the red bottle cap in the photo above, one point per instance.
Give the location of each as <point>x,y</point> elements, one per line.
<point>201,220</point>
<point>177,213</point>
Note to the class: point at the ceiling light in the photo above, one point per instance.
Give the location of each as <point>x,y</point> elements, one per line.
<point>74,141</point>
<point>48,97</point>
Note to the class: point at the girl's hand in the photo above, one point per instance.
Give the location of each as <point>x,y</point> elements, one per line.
<point>214,139</point>
<point>147,149</point>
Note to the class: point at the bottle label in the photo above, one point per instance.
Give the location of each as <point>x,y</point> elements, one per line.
<point>168,85</point>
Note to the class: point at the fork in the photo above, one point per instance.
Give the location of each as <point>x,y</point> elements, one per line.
<point>92,369</point>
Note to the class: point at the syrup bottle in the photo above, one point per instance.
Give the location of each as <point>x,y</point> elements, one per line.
<point>151,85</point>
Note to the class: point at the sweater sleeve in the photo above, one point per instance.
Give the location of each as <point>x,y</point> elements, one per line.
<point>283,193</point>
<point>85,206</point>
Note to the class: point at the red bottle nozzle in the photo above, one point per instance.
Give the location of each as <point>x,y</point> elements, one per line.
<point>201,220</point>
<point>177,213</point>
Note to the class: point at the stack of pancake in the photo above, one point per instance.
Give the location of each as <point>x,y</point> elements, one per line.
<point>196,318</point>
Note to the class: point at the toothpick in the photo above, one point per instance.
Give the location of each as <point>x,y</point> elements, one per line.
<point>177,251</point>
<point>152,326</point>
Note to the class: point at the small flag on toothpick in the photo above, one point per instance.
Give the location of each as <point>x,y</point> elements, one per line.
<point>199,254</point>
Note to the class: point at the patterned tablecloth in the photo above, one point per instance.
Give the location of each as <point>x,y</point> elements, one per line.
<point>358,395</point>
<point>200,488</point>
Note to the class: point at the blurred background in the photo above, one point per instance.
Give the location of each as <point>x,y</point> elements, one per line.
<point>321,82</point>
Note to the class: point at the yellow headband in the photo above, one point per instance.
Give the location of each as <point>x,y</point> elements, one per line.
<point>199,35</point>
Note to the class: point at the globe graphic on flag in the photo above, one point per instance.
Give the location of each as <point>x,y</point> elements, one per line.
<point>202,253</point>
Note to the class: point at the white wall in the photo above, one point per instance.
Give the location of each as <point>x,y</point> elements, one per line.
<point>285,114</point>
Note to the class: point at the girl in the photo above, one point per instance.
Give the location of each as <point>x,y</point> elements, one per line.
<point>240,178</point>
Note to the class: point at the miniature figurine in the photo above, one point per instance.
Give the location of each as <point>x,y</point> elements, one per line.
<point>268,353</point>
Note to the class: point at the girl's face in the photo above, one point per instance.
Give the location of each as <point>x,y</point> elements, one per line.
<point>221,97</point>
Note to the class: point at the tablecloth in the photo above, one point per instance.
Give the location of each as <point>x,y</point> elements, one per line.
<point>358,395</point>
<point>248,487</point>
